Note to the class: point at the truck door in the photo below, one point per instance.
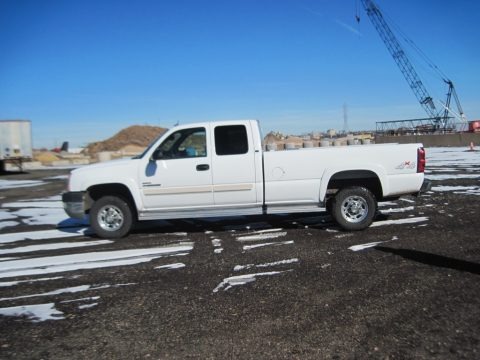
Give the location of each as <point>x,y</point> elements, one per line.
<point>233,163</point>
<point>179,174</point>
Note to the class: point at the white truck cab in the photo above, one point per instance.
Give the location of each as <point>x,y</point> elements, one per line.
<point>220,169</point>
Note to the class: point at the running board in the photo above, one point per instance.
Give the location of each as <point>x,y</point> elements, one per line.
<point>198,213</point>
<point>294,209</point>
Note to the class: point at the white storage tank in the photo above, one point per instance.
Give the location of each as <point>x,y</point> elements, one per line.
<point>15,139</point>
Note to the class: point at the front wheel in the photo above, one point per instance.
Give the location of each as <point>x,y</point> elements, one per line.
<point>354,208</point>
<point>111,217</point>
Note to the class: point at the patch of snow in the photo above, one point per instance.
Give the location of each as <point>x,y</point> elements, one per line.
<point>370,245</point>
<point>91,298</point>
<point>400,221</point>
<point>13,283</point>
<point>397,210</point>
<point>171,266</point>
<point>343,235</point>
<point>43,235</point>
<point>450,177</point>
<point>232,281</point>
<point>58,177</point>
<point>13,184</point>
<point>87,306</point>
<point>4,224</point>
<point>259,237</point>
<point>453,188</point>
<point>216,242</point>
<point>364,246</point>
<point>54,246</point>
<point>250,247</point>
<point>35,313</point>
<point>91,260</point>
<point>42,216</point>
<point>387,203</point>
<point>407,200</point>
<point>276,263</point>
<point>34,204</point>
<point>218,250</point>
<point>74,289</point>
<point>48,198</point>
<point>267,231</point>
<point>6,215</point>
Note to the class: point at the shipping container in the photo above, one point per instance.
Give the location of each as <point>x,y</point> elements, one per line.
<point>474,126</point>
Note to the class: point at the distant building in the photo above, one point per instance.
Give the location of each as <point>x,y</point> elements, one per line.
<point>331,132</point>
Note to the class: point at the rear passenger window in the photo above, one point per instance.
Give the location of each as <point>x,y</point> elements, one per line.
<point>231,140</point>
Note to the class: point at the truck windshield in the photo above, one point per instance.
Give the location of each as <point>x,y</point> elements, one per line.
<point>147,149</point>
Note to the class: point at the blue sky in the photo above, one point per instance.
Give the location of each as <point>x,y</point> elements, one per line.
<point>83,70</point>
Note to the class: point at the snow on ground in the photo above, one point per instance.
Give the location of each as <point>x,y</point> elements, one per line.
<point>256,246</point>
<point>411,220</point>
<point>35,313</point>
<point>443,164</point>
<point>13,283</point>
<point>53,246</point>
<point>46,211</point>
<point>43,235</point>
<point>232,281</point>
<point>276,263</point>
<point>370,245</point>
<point>12,184</point>
<point>263,236</point>
<point>451,157</point>
<point>91,260</point>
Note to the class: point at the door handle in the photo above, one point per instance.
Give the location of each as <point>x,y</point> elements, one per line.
<point>203,167</point>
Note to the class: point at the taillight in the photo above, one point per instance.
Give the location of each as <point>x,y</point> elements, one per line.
<point>421,162</point>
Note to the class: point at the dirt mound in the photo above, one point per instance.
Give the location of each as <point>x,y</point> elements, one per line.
<point>45,157</point>
<point>136,135</point>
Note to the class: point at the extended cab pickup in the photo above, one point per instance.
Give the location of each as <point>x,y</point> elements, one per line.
<point>220,169</point>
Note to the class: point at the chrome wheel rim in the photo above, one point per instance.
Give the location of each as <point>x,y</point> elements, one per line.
<point>110,218</point>
<point>354,209</point>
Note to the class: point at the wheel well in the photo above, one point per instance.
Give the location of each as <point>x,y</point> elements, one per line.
<point>97,191</point>
<point>365,178</point>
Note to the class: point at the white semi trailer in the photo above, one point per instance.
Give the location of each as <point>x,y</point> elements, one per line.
<point>15,142</point>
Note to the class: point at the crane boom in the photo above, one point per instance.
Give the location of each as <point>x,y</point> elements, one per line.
<point>396,50</point>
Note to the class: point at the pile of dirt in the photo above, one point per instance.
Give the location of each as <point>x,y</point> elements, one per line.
<point>136,135</point>
<point>45,157</point>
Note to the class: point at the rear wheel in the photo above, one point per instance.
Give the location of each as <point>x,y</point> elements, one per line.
<point>111,217</point>
<point>354,208</point>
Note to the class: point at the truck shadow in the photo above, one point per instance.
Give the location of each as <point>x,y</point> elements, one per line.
<point>433,259</point>
<point>252,223</point>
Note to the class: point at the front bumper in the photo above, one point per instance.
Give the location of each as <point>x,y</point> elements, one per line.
<point>74,204</point>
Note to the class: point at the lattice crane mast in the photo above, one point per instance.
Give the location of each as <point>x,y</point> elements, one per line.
<point>440,118</point>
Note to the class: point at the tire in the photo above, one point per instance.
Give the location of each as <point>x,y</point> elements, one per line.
<point>354,208</point>
<point>111,217</point>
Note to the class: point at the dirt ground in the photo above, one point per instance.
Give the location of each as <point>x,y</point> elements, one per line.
<point>413,295</point>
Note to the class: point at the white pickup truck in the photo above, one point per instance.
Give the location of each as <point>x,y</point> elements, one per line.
<point>220,169</point>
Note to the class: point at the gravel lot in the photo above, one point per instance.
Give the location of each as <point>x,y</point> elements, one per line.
<point>278,287</point>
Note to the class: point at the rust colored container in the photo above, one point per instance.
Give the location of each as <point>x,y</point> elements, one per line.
<point>474,126</point>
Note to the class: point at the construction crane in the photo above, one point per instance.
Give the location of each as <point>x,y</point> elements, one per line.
<point>440,119</point>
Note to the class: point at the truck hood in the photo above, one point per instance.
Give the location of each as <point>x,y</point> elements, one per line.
<point>116,171</point>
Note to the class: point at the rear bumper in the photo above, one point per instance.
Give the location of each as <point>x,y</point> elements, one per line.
<point>73,204</point>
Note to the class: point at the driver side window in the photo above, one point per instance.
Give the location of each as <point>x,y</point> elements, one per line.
<point>183,144</point>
